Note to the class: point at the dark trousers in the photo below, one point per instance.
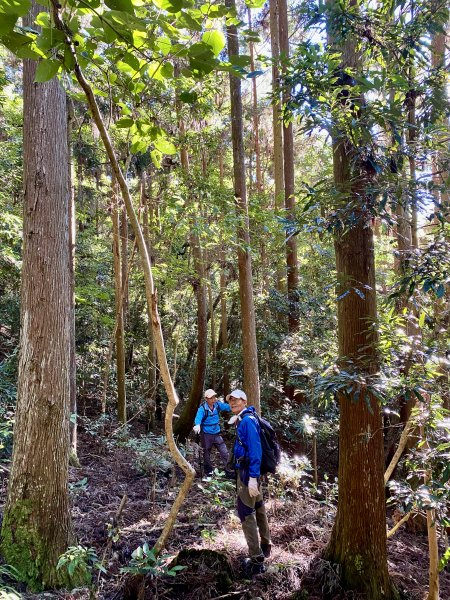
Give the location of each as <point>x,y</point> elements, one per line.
<point>252,513</point>
<point>209,440</point>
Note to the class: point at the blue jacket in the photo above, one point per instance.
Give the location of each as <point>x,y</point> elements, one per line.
<point>247,447</point>
<point>210,422</point>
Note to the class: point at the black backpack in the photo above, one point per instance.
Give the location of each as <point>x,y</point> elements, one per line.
<point>271,451</point>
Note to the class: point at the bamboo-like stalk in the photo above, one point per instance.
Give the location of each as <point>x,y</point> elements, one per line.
<point>150,292</point>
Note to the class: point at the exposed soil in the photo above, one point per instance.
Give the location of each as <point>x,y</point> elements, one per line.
<point>210,536</point>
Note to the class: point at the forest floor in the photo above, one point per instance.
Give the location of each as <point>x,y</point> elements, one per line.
<point>207,537</point>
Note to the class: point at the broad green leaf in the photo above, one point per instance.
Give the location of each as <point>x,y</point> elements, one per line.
<point>19,45</point>
<point>131,60</point>
<point>214,39</point>
<point>15,7</point>
<point>120,5</point>
<point>255,3</point>
<point>171,6</point>
<point>188,97</point>
<point>124,123</point>
<point>164,44</point>
<point>185,20</point>
<point>46,70</point>
<point>154,71</point>
<point>7,23</point>
<point>49,38</point>
<point>241,60</point>
<point>167,70</point>
<point>156,158</point>
<point>165,146</point>
<point>201,66</point>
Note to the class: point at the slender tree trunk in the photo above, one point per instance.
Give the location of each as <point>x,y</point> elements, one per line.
<point>187,416</point>
<point>289,181</point>
<point>36,526</point>
<point>123,232</point>
<point>224,323</point>
<point>277,128</point>
<point>358,539</point>
<point>249,346</point>
<point>151,356</point>
<point>213,334</point>
<point>119,331</point>
<point>255,116</point>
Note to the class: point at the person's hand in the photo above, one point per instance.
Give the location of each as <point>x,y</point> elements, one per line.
<point>253,487</point>
<point>196,428</point>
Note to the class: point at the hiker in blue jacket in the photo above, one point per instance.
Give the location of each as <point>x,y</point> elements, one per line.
<point>207,423</point>
<point>247,462</point>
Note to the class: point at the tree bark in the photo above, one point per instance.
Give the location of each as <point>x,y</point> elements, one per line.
<point>119,301</point>
<point>289,180</point>
<point>172,396</point>
<point>37,525</point>
<point>147,227</point>
<point>249,346</point>
<point>358,539</point>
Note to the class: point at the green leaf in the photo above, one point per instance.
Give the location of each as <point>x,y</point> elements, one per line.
<point>15,7</point>
<point>19,45</point>
<point>156,157</point>
<point>188,97</point>
<point>124,123</point>
<point>164,44</point>
<point>164,146</point>
<point>255,3</point>
<point>215,39</point>
<point>171,6</point>
<point>154,71</point>
<point>167,70</point>
<point>7,23</point>
<point>422,319</point>
<point>120,5</point>
<point>46,70</point>
<point>241,60</point>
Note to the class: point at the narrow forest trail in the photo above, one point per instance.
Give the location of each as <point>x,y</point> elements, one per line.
<point>300,528</point>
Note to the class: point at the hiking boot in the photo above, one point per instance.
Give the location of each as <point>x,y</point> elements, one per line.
<point>253,567</point>
<point>266,549</point>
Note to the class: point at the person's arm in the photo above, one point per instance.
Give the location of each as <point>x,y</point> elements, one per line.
<point>199,416</point>
<point>251,438</point>
<point>224,406</point>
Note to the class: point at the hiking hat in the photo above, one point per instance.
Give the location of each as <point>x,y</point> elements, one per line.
<point>237,394</point>
<point>210,393</point>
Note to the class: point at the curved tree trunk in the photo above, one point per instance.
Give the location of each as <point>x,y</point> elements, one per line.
<point>150,292</point>
<point>37,525</point>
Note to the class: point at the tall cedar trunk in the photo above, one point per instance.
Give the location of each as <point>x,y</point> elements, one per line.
<point>440,162</point>
<point>255,117</point>
<point>119,330</point>
<point>187,416</point>
<point>147,228</point>
<point>37,526</point>
<point>289,182</point>
<point>411,141</point>
<point>249,347</point>
<point>358,539</point>
<point>277,129</point>
<point>72,236</point>
<point>224,323</point>
<point>213,333</point>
